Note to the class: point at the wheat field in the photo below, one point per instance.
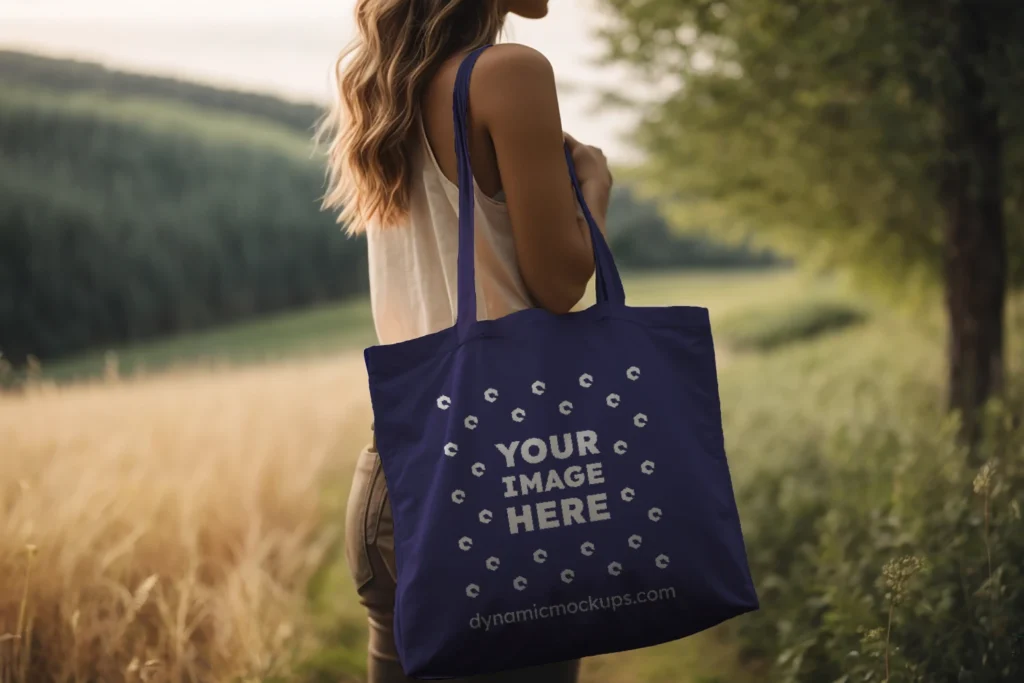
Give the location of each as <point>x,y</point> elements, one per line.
<point>167,528</point>
<point>163,529</point>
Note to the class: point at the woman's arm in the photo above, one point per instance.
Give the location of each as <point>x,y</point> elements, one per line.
<point>513,95</point>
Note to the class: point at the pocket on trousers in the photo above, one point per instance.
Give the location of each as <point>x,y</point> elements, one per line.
<point>360,517</point>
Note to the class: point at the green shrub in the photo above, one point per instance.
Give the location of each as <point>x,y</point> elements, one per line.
<point>880,549</point>
<point>763,329</point>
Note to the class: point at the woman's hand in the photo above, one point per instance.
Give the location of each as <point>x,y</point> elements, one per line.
<point>595,178</point>
<point>591,164</point>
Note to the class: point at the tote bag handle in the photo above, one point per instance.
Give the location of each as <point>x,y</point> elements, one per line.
<point>609,284</point>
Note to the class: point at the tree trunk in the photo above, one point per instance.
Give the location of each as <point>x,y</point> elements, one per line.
<point>975,237</point>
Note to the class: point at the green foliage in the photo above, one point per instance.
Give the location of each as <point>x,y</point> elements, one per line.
<point>846,467</point>
<point>821,127</point>
<point>763,328</point>
<point>125,220</point>
<point>641,239</point>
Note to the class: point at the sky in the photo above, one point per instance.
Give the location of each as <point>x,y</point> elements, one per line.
<point>287,47</point>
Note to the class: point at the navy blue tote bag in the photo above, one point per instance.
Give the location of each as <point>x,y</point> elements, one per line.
<point>559,483</point>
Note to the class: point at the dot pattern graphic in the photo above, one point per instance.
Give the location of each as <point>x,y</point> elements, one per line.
<point>633,545</point>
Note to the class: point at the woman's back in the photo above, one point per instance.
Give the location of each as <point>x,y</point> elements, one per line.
<point>413,267</point>
<point>532,247</point>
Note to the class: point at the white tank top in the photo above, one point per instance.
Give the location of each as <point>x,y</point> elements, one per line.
<point>413,266</point>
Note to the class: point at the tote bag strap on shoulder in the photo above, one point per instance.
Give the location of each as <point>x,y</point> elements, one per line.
<point>609,284</point>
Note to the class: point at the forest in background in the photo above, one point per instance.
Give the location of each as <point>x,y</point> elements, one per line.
<point>134,207</point>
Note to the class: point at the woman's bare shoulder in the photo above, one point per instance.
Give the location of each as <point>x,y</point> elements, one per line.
<point>513,80</point>
<point>505,56</point>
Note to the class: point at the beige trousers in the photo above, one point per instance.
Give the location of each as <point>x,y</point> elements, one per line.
<point>370,548</point>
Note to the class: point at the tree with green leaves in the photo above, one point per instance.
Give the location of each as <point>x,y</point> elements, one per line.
<point>884,135</point>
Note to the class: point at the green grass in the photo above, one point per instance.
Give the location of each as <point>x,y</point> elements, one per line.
<point>764,328</point>
<point>314,331</point>
<point>349,325</point>
<point>721,292</point>
<point>844,460</point>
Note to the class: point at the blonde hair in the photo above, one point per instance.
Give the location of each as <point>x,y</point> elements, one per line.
<point>381,77</point>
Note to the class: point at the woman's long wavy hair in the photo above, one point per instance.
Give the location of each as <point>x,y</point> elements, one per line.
<point>381,77</point>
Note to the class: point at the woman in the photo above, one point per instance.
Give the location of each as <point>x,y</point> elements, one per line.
<point>393,175</point>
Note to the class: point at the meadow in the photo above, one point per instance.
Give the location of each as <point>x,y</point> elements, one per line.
<point>184,523</point>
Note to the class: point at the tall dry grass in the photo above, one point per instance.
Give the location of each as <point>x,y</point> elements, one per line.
<point>164,529</point>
